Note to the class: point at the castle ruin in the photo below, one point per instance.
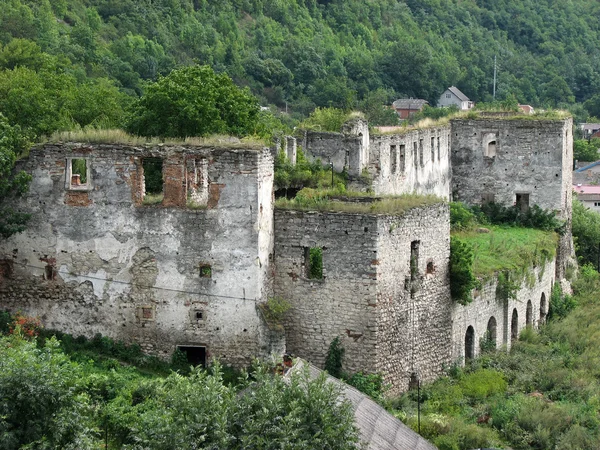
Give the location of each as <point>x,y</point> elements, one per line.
<point>191,270</point>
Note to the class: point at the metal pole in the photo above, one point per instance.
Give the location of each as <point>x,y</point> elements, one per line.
<point>419,405</point>
<point>331,164</point>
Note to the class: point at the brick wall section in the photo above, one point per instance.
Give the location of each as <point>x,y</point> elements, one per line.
<point>116,256</point>
<point>363,297</point>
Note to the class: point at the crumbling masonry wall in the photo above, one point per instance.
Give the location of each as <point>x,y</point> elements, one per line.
<point>531,306</point>
<point>416,161</point>
<point>95,259</point>
<point>388,321</point>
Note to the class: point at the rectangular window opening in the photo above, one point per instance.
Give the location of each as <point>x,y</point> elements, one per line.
<point>402,158</point>
<point>421,152</point>
<point>393,158</point>
<point>153,181</point>
<point>197,183</point>
<point>414,260</point>
<point>415,155</point>
<point>77,174</point>
<point>438,148</point>
<point>313,262</point>
<point>432,149</point>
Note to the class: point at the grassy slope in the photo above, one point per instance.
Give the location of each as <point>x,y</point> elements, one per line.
<point>543,394</point>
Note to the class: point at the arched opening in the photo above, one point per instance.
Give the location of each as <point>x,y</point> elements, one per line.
<point>490,145</point>
<point>491,332</point>
<point>470,343</point>
<point>514,325</point>
<point>529,314</point>
<point>491,149</point>
<point>543,309</point>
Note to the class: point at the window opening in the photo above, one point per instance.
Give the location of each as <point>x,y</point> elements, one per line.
<point>199,314</point>
<point>205,271</point>
<point>522,202</point>
<point>432,149</point>
<point>196,356</point>
<point>421,152</point>
<point>438,148</point>
<point>514,325</point>
<point>153,180</point>
<point>402,158</point>
<point>49,272</point>
<point>393,158</point>
<point>415,154</point>
<point>529,314</point>
<point>313,262</point>
<point>78,172</point>
<point>430,268</point>
<point>414,260</point>
<point>470,343</point>
<point>448,96</point>
<point>543,308</point>
<point>197,183</point>
<point>491,149</point>
<point>491,330</point>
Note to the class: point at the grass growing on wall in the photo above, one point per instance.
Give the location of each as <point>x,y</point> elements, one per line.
<point>332,200</point>
<point>508,248</point>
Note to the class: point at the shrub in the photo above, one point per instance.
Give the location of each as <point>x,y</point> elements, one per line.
<point>368,383</point>
<point>560,304</point>
<point>462,279</point>
<point>335,356</point>
<point>483,383</point>
<point>461,217</point>
<point>275,309</point>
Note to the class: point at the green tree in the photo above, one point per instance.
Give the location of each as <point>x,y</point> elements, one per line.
<point>586,233</point>
<point>586,151</point>
<point>462,279</point>
<point>41,404</point>
<point>194,101</point>
<point>12,142</point>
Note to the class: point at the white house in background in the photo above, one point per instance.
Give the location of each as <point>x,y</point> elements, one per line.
<point>453,96</point>
<point>588,195</point>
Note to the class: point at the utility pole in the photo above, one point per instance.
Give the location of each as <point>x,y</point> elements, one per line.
<point>494,77</point>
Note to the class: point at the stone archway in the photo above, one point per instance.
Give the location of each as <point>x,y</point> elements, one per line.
<point>470,343</point>
<point>543,309</point>
<point>514,325</point>
<point>491,330</point>
<point>529,314</point>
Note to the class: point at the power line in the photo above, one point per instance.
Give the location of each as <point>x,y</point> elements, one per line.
<point>140,285</point>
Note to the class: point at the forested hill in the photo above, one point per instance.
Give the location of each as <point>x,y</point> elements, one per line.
<point>306,53</point>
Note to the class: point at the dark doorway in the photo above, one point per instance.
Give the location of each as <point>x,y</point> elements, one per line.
<point>529,314</point>
<point>543,309</point>
<point>491,330</point>
<point>470,343</point>
<point>522,202</point>
<point>514,325</point>
<point>196,356</point>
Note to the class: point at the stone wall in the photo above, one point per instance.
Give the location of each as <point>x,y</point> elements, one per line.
<point>416,161</point>
<point>505,160</point>
<point>343,302</point>
<point>413,296</point>
<point>531,306</point>
<point>387,322</point>
<point>160,275</point>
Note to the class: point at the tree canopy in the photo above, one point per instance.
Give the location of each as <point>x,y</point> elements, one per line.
<point>194,101</point>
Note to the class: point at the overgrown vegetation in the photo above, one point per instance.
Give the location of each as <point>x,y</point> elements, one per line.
<point>586,233</point>
<point>306,174</point>
<point>326,200</point>
<point>541,395</point>
<point>275,308</point>
<point>496,240</point>
<point>51,399</point>
<point>584,150</point>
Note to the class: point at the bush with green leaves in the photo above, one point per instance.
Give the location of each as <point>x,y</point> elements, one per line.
<point>560,304</point>
<point>586,233</point>
<point>461,216</point>
<point>326,119</point>
<point>462,279</point>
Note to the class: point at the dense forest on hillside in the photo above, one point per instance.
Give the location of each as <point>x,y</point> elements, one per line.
<point>86,59</point>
